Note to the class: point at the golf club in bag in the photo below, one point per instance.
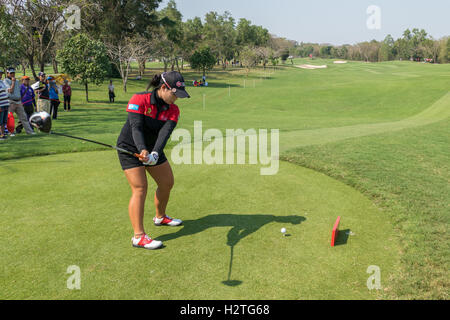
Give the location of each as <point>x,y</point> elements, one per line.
<point>43,122</point>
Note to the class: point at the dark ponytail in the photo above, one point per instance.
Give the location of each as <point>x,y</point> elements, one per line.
<point>155,82</point>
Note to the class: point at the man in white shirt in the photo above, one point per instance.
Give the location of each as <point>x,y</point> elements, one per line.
<point>111,92</point>
<point>15,103</point>
<point>4,106</point>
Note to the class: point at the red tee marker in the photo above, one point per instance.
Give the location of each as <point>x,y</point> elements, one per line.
<point>335,233</point>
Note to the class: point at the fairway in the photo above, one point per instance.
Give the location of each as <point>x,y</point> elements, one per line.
<point>67,201</point>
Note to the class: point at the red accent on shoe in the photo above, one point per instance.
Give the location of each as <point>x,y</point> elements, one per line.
<point>166,220</point>
<point>145,240</point>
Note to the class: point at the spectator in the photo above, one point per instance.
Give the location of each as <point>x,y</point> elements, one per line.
<point>43,103</point>
<point>54,98</point>
<point>111,91</point>
<point>67,91</point>
<point>15,103</point>
<point>28,100</point>
<point>4,106</point>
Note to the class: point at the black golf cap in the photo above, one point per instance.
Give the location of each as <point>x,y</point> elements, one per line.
<point>175,82</point>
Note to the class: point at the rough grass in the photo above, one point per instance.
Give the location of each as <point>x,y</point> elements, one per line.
<point>407,174</point>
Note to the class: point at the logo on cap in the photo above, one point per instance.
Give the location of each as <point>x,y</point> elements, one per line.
<point>180,84</point>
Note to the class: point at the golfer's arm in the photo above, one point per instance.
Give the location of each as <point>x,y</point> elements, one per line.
<point>137,130</point>
<point>164,136</point>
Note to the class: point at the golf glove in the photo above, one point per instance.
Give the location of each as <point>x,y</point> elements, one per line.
<point>152,159</point>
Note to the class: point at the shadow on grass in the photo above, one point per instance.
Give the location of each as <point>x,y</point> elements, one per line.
<point>106,102</point>
<point>215,85</point>
<point>342,237</point>
<point>242,226</point>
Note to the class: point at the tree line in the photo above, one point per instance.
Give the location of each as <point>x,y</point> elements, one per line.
<point>34,34</point>
<point>113,34</point>
<point>415,45</point>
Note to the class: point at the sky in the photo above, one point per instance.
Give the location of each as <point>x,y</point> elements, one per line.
<point>331,21</point>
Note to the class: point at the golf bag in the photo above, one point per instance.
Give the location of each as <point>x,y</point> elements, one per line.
<point>11,124</point>
<point>42,121</point>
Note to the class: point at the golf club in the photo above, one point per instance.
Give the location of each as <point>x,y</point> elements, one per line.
<point>43,122</point>
<point>229,282</point>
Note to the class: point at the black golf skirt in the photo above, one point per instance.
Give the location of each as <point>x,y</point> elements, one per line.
<point>129,162</point>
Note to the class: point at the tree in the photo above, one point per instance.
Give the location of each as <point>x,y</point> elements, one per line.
<point>37,25</point>
<point>369,50</point>
<point>220,35</point>
<point>444,52</point>
<point>192,38</point>
<point>249,58</point>
<point>273,59</point>
<point>203,60</point>
<point>386,51</point>
<point>171,34</point>
<point>284,55</point>
<point>325,51</point>
<point>251,35</point>
<point>263,53</point>
<point>430,49</point>
<point>122,20</point>
<point>10,53</point>
<point>119,18</point>
<point>38,22</point>
<point>126,51</point>
<point>85,60</point>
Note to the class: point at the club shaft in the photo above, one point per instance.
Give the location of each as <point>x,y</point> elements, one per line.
<point>96,142</point>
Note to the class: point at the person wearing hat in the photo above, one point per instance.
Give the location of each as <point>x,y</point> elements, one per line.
<point>15,103</point>
<point>152,117</point>
<point>28,100</point>
<point>28,96</point>
<point>43,103</point>
<point>54,97</point>
<point>4,106</point>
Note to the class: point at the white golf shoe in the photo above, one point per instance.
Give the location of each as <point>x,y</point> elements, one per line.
<point>145,242</point>
<point>167,221</point>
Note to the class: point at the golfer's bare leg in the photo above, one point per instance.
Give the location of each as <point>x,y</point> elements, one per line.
<point>163,177</point>
<point>137,179</point>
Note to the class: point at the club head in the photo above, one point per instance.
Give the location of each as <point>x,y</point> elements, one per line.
<point>232,283</point>
<point>41,121</point>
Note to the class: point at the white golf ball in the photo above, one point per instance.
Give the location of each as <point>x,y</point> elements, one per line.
<point>283,230</point>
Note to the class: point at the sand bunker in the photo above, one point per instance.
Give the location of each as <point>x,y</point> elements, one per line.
<point>310,67</point>
<point>340,62</point>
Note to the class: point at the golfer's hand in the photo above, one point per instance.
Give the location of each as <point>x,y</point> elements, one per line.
<point>152,159</point>
<point>144,156</point>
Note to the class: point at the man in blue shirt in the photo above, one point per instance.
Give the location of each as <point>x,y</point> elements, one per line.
<point>54,98</point>
<point>28,101</point>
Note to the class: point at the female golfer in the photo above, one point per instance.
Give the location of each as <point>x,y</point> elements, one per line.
<point>152,117</point>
